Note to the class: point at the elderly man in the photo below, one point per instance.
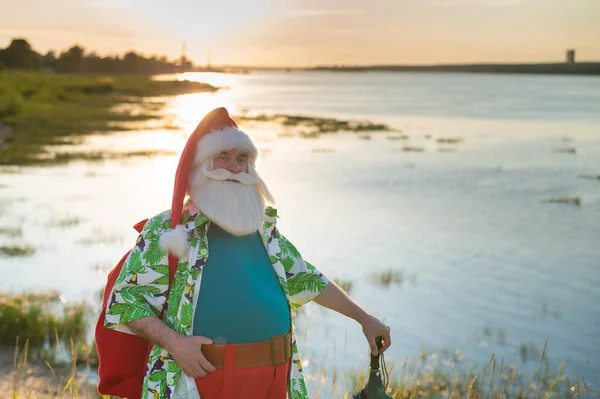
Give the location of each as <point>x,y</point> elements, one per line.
<point>226,330</point>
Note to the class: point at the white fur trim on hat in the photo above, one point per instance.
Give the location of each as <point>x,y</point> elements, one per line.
<point>175,241</point>
<point>225,139</point>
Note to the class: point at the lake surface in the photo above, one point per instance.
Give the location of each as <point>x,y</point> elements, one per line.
<point>487,266</point>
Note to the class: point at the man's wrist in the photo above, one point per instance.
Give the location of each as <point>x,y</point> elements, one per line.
<point>171,341</point>
<point>361,315</point>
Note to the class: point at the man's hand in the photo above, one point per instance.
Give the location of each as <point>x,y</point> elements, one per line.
<point>373,328</point>
<point>186,352</point>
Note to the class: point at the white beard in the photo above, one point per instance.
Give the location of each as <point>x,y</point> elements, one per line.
<point>238,207</point>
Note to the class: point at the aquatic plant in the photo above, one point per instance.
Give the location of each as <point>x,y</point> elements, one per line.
<point>66,157</point>
<point>11,231</point>
<point>412,149</point>
<point>65,222</point>
<point>569,200</point>
<point>312,127</point>
<point>388,277</point>
<point>397,137</point>
<point>590,177</point>
<point>569,150</point>
<point>450,140</point>
<point>495,333</point>
<point>16,250</point>
<point>98,236</point>
<point>345,284</point>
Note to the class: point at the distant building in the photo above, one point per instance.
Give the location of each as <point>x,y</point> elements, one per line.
<point>570,56</point>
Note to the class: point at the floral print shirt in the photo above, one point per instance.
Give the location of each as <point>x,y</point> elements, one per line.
<point>141,288</point>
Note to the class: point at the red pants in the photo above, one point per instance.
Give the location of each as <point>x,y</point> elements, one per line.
<point>264,382</point>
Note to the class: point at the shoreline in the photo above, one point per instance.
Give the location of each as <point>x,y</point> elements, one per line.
<point>23,377</point>
<point>39,110</point>
<point>30,369</point>
<point>581,68</point>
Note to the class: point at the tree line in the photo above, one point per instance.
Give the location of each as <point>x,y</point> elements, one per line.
<point>20,55</point>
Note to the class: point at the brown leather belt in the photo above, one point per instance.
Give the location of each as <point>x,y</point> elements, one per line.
<point>274,352</point>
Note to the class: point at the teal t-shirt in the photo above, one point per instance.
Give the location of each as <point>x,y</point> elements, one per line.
<point>240,300</point>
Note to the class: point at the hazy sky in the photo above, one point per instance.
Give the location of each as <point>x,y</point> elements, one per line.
<point>313,32</point>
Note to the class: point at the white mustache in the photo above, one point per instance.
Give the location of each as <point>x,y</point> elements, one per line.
<point>224,174</point>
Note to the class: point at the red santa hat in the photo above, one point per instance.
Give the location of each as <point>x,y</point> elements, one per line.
<point>216,132</point>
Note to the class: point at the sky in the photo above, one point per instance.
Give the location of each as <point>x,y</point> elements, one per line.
<point>313,32</point>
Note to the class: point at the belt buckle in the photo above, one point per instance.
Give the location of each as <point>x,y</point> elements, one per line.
<point>274,351</point>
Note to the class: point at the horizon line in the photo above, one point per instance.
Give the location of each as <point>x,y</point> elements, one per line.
<point>393,65</point>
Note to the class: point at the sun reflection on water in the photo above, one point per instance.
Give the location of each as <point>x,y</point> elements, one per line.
<point>212,78</point>
<point>187,110</point>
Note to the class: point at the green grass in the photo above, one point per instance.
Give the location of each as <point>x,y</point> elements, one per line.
<point>33,317</point>
<point>11,101</point>
<point>44,109</point>
<point>43,377</point>
<point>497,380</point>
<point>42,330</point>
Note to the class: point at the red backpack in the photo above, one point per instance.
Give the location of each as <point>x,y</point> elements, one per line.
<point>122,357</point>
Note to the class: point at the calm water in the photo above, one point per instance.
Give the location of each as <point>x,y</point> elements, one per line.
<point>488,267</point>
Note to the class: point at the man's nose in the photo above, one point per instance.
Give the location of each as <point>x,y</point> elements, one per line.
<point>233,167</point>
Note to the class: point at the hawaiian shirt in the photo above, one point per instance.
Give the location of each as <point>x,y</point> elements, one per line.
<point>141,288</point>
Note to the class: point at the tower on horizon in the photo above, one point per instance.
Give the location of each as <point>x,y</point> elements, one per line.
<point>183,56</point>
<point>570,56</point>
<point>184,63</point>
